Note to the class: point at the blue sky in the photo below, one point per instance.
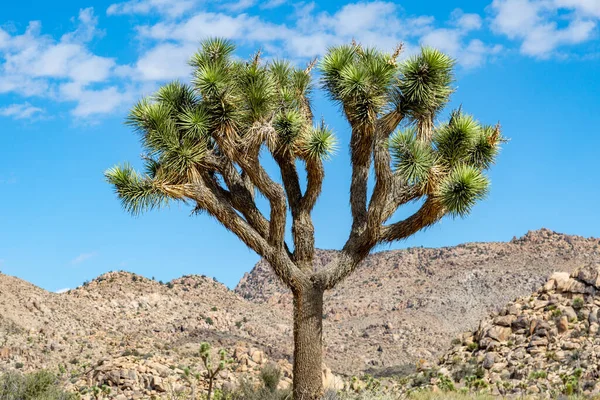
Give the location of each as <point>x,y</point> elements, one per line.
<point>70,70</point>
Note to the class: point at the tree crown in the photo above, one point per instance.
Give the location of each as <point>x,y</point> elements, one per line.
<point>203,144</point>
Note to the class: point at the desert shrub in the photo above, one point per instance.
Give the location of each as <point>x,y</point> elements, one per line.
<point>250,391</point>
<point>41,385</point>
<point>578,303</point>
<point>445,384</point>
<point>556,313</point>
<point>473,346</point>
<point>270,375</point>
<point>538,375</point>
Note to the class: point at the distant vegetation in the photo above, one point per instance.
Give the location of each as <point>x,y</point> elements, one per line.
<point>41,385</point>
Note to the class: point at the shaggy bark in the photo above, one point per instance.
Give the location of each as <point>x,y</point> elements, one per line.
<point>308,343</point>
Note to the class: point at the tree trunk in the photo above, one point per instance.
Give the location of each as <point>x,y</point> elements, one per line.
<point>308,344</point>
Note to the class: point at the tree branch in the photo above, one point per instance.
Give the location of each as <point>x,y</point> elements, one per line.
<point>361,145</point>
<point>250,165</point>
<point>383,171</point>
<point>207,195</point>
<point>430,212</point>
<point>240,196</point>
<point>401,193</point>
<point>315,173</point>
<point>357,248</point>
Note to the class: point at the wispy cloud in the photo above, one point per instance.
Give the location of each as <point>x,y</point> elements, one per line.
<point>20,111</point>
<point>10,180</point>
<point>59,291</point>
<point>60,69</point>
<point>66,69</point>
<point>543,27</point>
<point>83,257</point>
<point>310,33</point>
<point>171,8</point>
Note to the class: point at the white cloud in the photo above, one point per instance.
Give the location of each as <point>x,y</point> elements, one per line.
<point>239,5</point>
<point>83,257</point>
<point>453,40</point>
<point>165,61</point>
<point>543,26</point>
<point>66,68</point>
<point>586,7</point>
<point>170,8</point>
<point>60,291</point>
<point>466,22</point>
<point>38,65</point>
<point>272,3</point>
<point>20,111</point>
<point>382,24</point>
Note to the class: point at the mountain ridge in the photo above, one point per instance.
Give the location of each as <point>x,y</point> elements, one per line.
<point>399,307</point>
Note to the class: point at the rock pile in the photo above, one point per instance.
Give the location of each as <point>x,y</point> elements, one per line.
<point>143,376</point>
<point>547,343</point>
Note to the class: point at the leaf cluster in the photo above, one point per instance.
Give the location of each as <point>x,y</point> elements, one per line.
<point>239,105</point>
<point>451,166</point>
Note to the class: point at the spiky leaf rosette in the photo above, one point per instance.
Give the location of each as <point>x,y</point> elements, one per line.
<point>137,193</point>
<point>450,167</point>
<point>361,79</point>
<point>413,159</point>
<point>462,188</point>
<point>318,143</point>
<point>424,85</point>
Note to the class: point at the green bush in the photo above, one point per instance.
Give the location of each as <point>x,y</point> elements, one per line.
<point>270,375</point>
<point>41,385</point>
<point>249,391</point>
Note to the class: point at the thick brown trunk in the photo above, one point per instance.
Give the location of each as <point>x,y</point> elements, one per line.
<point>308,346</point>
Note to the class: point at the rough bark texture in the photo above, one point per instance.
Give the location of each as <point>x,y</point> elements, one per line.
<point>308,344</point>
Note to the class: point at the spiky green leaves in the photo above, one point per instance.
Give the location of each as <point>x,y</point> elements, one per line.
<point>137,193</point>
<point>319,143</point>
<point>335,61</point>
<point>451,167</point>
<point>194,123</point>
<point>413,159</point>
<point>464,141</point>
<point>258,93</point>
<point>462,188</point>
<point>289,125</point>
<point>176,96</point>
<point>359,78</point>
<point>485,147</point>
<point>455,140</point>
<point>174,128</point>
<point>213,51</point>
<point>425,83</point>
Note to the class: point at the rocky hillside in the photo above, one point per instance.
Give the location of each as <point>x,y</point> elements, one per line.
<point>142,337</point>
<point>547,343</point>
<point>134,334</point>
<point>402,306</point>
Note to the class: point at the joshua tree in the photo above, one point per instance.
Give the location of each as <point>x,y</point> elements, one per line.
<point>212,370</point>
<point>204,144</point>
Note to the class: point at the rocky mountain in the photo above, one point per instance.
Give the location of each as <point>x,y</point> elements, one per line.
<point>405,305</point>
<point>141,337</point>
<point>547,342</point>
<point>134,334</point>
